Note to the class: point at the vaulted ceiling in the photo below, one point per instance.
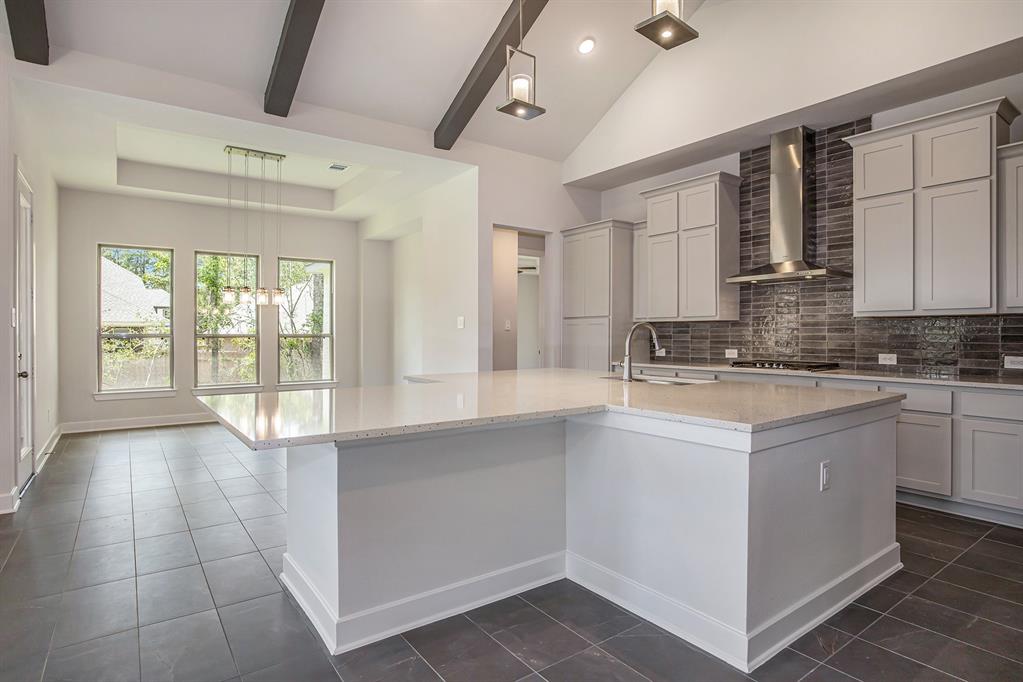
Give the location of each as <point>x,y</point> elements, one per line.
<point>396,60</point>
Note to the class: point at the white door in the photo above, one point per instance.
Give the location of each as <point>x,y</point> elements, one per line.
<point>24,320</point>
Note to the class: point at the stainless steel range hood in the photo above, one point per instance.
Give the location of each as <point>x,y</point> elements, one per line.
<point>791,166</point>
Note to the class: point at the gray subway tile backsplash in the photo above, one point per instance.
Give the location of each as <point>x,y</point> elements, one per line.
<point>813,320</point>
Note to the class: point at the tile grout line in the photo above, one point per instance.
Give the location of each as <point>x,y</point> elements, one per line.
<point>421,657</point>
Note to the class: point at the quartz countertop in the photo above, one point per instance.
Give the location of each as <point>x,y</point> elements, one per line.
<point>896,375</point>
<point>452,401</point>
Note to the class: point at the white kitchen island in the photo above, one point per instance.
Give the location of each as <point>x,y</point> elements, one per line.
<point>698,507</point>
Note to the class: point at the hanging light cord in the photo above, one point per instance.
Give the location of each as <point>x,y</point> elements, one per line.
<point>230,242</point>
<point>520,25</point>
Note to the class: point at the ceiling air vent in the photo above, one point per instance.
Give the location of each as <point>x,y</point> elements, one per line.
<point>338,166</point>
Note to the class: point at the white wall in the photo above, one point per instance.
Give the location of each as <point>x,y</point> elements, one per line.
<point>755,61</point>
<point>376,312</point>
<point>7,231</point>
<point>408,290</point>
<point>528,304</point>
<point>505,263</point>
<point>625,203</point>
<point>89,218</point>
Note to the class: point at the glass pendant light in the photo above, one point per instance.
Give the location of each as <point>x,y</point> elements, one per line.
<point>245,295</point>
<point>228,295</point>
<point>277,296</point>
<point>262,296</point>
<point>665,27</point>
<point>520,73</point>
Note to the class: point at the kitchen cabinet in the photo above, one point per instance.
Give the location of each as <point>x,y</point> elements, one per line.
<point>1010,224</point>
<point>991,462</point>
<point>924,213</point>
<point>692,243</point>
<point>640,295</point>
<point>883,253</point>
<point>597,298</point>
<point>923,459</point>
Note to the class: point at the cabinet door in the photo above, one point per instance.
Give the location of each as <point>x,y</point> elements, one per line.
<point>923,453</point>
<point>1010,180</point>
<point>639,275</point>
<point>698,206</point>
<point>883,167</point>
<point>574,277</point>
<point>662,280</point>
<point>662,214</point>
<point>991,462</point>
<point>883,253</point>
<point>954,152</point>
<point>598,273</point>
<point>598,345</point>
<point>698,272</point>
<point>953,231</point>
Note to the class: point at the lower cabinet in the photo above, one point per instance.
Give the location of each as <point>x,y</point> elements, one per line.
<point>923,459</point>
<point>991,462</point>
<point>586,344</point>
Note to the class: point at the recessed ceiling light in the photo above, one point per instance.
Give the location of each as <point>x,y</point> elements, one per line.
<point>586,46</point>
<point>338,166</point>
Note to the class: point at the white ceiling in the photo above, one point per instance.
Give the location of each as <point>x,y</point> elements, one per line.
<point>396,60</point>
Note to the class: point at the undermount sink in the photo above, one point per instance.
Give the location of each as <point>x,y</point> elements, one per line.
<point>664,381</point>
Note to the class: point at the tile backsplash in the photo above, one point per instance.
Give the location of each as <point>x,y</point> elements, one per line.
<point>813,321</point>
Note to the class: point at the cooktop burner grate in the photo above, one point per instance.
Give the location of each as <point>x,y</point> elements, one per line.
<point>786,364</point>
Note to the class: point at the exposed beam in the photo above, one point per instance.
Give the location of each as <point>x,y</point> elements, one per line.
<point>27,21</point>
<point>296,37</point>
<point>485,71</point>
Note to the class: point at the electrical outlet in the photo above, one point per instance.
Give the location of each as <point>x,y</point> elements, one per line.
<point>731,352</point>
<point>825,475</point>
<point>460,322</point>
<point>1014,362</point>
<point>660,352</point>
<point>887,359</point>
<point>507,325</point>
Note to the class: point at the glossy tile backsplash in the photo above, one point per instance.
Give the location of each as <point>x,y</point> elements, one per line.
<point>813,320</point>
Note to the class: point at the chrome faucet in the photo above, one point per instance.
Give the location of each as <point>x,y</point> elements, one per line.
<point>627,364</point>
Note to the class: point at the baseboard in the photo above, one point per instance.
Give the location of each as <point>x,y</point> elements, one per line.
<point>9,502</point>
<point>48,447</point>
<point>135,422</point>
<point>744,651</point>
<point>708,633</point>
<point>968,509</point>
<point>377,623</point>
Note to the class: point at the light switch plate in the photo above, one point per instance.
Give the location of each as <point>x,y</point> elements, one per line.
<point>507,325</point>
<point>731,352</point>
<point>887,359</point>
<point>1014,362</point>
<point>460,322</point>
<point>825,475</point>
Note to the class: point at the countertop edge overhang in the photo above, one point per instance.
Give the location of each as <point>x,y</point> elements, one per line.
<point>525,415</point>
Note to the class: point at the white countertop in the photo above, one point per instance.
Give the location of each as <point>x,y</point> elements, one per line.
<point>452,401</point>
<point>897,375</point>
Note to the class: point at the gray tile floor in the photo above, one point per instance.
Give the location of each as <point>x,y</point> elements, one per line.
<point>153,554</point>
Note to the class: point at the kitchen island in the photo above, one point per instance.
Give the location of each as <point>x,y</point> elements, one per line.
<point>703,508</point>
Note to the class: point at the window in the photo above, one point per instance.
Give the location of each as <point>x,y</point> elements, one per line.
<point>135,318</point>
<point>306,318</point>
<point>226,339</point>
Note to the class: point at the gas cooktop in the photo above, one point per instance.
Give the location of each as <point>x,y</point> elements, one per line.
<point>786,364</point>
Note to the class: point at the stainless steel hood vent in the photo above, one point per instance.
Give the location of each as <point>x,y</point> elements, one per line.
<point>791,167</point>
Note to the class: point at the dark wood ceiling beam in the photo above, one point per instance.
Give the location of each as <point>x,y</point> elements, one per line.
<point>27,21</point>
<point>293,48</point>
<point>485,72</point>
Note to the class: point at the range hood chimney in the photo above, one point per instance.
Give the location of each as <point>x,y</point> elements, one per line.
<point>791,167</point>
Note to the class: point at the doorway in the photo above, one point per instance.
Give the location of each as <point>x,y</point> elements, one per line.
<point>24,321</point>
<point>529,346</point>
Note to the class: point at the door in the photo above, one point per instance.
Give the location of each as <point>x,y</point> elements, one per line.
<point>574,276</point>
<point>662,279</point>
<point>24,321</point>
<point>955,151</point>
<point>698,276</point>
<point>923,453</point>
<point>954,246</point>
<point>991,462</point>
<point>883,254</point>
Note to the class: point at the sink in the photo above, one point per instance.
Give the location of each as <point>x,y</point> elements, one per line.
<point>663,381</point>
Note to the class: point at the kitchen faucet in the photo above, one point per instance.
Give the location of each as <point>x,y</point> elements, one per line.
<point>627,364</point>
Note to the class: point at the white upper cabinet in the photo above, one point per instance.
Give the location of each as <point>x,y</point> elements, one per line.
<point>924,214</point>
<point>640,295</point>
<point>574,279</point>
<point>597,298</point>
<point>692,244</point>
<point>1010,220</point>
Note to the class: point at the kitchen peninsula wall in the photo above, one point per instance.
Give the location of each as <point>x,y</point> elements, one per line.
<point>813,321</point>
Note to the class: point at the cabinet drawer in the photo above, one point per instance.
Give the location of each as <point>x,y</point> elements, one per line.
<point>785,379</point>
<point>883,167</point>
<point>954,152</point>
<point>923,399</point>
<point>923,453</point>
<point>995,405</point>
<point>848,384</point>
<point>705,376</point>
<point>655,372</point>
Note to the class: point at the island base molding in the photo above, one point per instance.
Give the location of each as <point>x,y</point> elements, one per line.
<point>736,551</point>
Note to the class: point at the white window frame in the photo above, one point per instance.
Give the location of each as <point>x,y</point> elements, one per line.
<point>325,335</point>
<point>195,323</point>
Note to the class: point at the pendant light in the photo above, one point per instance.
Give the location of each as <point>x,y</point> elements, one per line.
<point>262,295</point>
<point>245,292</point>
<point>228,294</point>
<point>521,79</point>
<point>665,27</point>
